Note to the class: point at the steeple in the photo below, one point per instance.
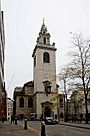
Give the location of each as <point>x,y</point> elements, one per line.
<point>43,28</point>
<point>44,36</point>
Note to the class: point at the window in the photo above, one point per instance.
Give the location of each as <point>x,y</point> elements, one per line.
<point>44,40</point>
<point>46,57</point>
<point>61,100</point>
<point>21,102</point>
<point>30,102</point>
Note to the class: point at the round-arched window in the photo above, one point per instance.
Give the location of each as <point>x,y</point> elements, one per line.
<point>46,57</point>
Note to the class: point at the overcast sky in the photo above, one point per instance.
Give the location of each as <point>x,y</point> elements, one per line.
<point>23,20</point>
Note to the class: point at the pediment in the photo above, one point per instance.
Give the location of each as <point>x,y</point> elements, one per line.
<point>47,103</point>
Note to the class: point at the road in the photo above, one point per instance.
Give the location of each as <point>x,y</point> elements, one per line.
<point>58,130</point>
<point>61,130</point>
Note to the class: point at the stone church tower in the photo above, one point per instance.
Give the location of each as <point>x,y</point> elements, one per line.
<point>44,75</point>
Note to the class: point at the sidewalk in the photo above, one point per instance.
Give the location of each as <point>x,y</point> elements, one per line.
<point>7,129</point>
<point>78,125</point>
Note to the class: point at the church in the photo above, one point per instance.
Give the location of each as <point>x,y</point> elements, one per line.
<point>40,96</point>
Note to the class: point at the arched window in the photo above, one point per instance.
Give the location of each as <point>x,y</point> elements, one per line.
<point>30,102</point>
<point>44,40</point>
<point>46,57</point>
<point>21,102</point>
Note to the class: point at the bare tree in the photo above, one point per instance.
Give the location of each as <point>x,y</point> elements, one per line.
<point>63,77</point>
<point>80,65</point>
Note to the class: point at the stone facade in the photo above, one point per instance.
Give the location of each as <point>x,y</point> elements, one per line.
<point>61,106</point>
<point>43,87</point>
<point>76,103</point>
<point>44,73</point>
<point>24,93</point>
<point>9,108</point>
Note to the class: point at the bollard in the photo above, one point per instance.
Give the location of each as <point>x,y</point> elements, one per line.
<point>25,124</point>
<point>43,128</point>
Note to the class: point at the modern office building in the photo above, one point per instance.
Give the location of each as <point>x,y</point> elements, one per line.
<point>2,59</point>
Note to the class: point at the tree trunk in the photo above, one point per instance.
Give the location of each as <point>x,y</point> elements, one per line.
<point>86,107</point>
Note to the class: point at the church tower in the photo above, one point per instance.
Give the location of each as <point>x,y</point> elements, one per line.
<point>44,74</point>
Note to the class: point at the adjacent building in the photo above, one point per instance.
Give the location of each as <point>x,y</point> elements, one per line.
<point>76,104</point>
<point>61,106</point>
<point>2,58</point>
<point>23,100</point>
<point>9,108</point>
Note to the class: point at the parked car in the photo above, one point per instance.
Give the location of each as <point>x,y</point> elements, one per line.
<point>50,121</point>
<point>32,117</point>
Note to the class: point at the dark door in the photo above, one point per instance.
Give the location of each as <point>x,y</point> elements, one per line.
<point>47,112</point>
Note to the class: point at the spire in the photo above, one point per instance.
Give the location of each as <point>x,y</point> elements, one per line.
<point>43,28</point>
<point>44,36</point>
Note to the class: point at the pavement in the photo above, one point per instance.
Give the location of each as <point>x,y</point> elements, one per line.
<point>78,125</point>
<point>8,129</point>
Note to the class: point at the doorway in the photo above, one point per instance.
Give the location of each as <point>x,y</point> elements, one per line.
<point>47,112</point>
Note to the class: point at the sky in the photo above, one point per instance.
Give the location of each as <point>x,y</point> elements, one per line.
<point>22,22</point>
